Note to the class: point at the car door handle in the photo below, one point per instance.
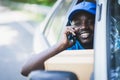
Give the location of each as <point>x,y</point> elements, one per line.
<point>99,11</point>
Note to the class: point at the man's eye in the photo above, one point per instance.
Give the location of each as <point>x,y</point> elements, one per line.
<point>91,22</point>
<point>77,24</point>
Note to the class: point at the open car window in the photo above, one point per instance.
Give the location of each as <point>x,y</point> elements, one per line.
<point>55,25</point>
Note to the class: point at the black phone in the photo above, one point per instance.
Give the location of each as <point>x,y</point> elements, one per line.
<point>71,37</point>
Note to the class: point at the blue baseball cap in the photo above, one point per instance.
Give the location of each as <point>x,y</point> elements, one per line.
<point>89,7</point>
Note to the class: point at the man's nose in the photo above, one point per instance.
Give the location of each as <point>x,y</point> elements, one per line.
<point>80,27</point>
<point>83,26</point>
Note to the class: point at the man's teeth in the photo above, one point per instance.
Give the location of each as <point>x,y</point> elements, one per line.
<point>84,35</point>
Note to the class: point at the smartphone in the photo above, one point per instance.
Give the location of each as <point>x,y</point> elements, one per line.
<point>71,37</point>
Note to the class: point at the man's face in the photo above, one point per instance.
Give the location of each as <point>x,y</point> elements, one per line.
<point>84,25</point>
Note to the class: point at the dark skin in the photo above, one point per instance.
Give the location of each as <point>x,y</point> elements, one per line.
<point>82,27</point>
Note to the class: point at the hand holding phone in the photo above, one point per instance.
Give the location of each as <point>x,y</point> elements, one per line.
<point>71,37</point>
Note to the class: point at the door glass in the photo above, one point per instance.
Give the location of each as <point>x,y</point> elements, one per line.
<point>115,39</point>
<point>55,24</point>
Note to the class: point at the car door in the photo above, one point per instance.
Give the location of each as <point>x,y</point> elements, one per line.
<point>100,41</point>
<point>107,40</point>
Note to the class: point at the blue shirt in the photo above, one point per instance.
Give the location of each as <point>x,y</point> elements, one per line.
<point>76,46</point>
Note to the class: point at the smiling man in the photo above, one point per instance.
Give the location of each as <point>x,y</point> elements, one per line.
<point>79,35</point>
<point>82,19</point>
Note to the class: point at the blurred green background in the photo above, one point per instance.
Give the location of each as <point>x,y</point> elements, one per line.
<point>41,2</point>
<point>35,9</point>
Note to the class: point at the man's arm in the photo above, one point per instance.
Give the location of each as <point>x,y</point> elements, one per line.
<point>37,61</point>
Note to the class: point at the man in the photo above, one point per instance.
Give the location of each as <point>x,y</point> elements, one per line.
<point>79,35</point>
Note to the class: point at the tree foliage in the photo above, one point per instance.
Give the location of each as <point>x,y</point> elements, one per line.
<point>41,2</point>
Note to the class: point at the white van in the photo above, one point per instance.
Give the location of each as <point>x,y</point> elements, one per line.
<point>106,40</point>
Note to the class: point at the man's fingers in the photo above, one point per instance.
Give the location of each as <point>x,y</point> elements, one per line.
<point>70,30</point>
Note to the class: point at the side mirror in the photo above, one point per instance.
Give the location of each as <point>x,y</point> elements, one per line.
<point>52,75</point>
